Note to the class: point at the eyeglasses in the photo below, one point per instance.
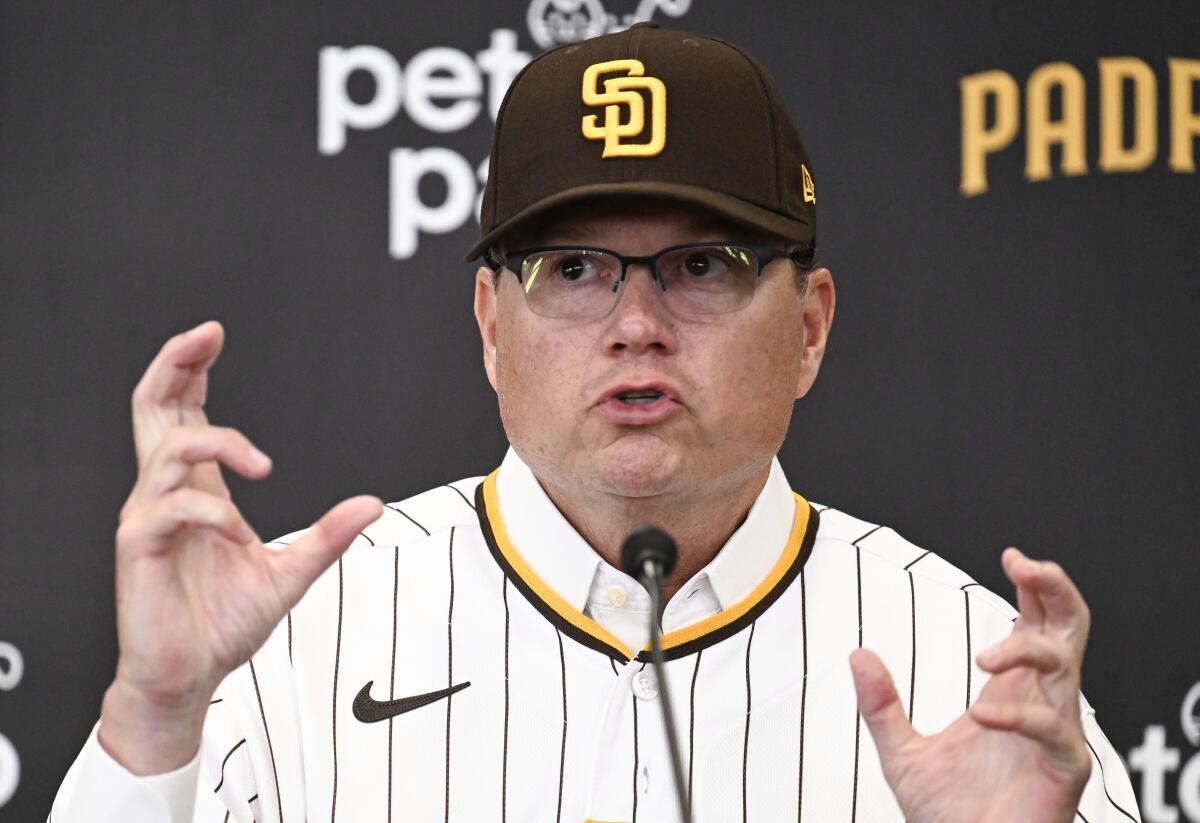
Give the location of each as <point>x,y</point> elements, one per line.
<point>695,279</point>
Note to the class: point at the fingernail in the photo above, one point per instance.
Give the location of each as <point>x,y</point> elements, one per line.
<point>260,459</point>
<point>987,657</point>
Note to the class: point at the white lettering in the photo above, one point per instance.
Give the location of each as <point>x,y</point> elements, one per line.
<point>1154,758</point>
<point>481,172</point>
<point>10,770</point>
<point>409,214</point>
<point>10,677</point>
<point>501,61</point>
<point>439,73</point>
<point>336,110</point>
<point>1189,715</point>
<point>1189,789</point>
<point>463,84</point>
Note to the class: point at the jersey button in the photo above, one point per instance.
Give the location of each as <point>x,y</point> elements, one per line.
<point>645,685</point>
<point>616,596</point>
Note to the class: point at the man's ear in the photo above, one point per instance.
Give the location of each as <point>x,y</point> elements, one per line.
<point>486,284</point>
<point>818,301</point>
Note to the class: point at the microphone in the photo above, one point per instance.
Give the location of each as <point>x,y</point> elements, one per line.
<point>649,545</point>
<point>648,555</point>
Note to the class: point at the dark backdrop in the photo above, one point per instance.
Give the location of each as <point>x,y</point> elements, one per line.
<point>1016,367</point>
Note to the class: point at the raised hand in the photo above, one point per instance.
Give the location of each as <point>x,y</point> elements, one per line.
<point>197,592</point>
<point>1019,752</point>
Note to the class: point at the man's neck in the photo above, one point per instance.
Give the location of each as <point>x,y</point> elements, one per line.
<point>700,524</point>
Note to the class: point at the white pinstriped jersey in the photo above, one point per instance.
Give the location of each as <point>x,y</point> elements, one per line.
<point>555,717</point>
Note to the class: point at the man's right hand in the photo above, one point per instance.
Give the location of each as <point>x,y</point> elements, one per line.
<point>197,592</point>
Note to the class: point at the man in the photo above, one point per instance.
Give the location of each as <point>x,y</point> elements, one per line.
<point>648,318</point>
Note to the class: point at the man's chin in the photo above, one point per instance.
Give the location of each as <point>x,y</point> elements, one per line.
<point>639,465</point>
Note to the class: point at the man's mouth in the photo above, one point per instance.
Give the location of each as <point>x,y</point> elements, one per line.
<point>639,397</point>
<point>644,404</point>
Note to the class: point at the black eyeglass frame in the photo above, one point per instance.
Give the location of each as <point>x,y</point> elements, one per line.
<point>762,255</point>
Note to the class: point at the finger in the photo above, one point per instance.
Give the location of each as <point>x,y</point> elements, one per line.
<point>1037,722</point>
<point>1060,736</point>
<point>171,371</point>
<point>879,704</point>
<point>153,524</point>
<point>175,384</point>
<point>1060,601</point>
<point>185,446</point>
<point>1033,617</point>
<point>297,566</point>
<point>1044,653</point>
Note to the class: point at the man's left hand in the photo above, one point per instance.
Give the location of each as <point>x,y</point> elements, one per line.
<point>1018,753</point>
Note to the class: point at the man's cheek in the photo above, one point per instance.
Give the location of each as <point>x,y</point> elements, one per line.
<point>535,374</point>
<point>759,391</point>
<point>516,351</point>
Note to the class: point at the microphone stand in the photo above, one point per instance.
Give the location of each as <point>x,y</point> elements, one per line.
<point>651,578</point>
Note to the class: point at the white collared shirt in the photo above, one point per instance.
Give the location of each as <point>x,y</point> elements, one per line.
<point>486,590</point>
<point>614,599</point>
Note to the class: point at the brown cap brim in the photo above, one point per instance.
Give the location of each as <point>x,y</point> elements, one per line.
<point>722,205</point>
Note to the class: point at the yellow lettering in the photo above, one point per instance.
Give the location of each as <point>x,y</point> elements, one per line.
<point>1185,120</point>
<point>978,141</point>
<point>1114,156</point>
<point>1041,132</point>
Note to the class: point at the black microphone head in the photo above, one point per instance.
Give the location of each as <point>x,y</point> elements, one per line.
<point>648,543</point>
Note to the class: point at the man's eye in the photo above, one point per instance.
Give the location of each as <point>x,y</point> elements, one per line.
<point>704,264</point>
<point>574,269</point>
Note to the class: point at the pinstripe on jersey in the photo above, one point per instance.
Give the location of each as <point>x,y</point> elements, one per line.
<point>435,593</point>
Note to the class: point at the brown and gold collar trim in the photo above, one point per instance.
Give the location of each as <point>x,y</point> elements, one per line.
<point>676,644</point>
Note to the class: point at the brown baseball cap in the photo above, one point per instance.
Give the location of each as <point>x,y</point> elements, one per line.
<point>648,111</point>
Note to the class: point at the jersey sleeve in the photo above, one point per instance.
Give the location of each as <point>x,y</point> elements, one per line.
<point>1108,796</point>
<point>249,760</point>
<point>98,788</point>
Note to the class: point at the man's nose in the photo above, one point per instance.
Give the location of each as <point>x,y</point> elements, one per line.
<point>641,320</point>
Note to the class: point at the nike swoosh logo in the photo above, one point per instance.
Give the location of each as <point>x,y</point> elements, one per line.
<point>372,711</point>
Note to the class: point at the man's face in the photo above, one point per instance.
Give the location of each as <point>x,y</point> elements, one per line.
<point>730,380</point>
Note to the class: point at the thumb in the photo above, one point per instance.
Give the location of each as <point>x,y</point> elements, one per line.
<point>297,566</point>
<point>879,704</point>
